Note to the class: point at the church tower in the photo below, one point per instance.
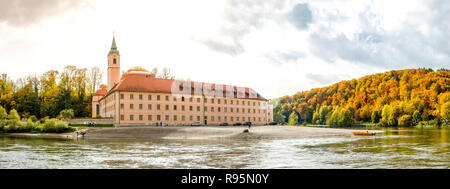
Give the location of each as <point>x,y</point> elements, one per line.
<point>113,65</point>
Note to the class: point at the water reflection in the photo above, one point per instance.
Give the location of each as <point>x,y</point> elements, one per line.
<point>396,148</point>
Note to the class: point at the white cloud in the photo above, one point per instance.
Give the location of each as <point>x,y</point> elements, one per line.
<point>252,43</point>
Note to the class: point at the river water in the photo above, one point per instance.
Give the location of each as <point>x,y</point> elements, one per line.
<point>395,148</point>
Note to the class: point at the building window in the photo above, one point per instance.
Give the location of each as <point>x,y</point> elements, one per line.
<point>131,106</point>
<point>140,96</point>
<point>158,117</point>
<point>174,98</point>
<point>205,100</point>
<point>225,109</point>
<point>114,61</point>
<point>141,117</point>
<point>190,118</point>
<point>190,108</point>
<point>212,109</point>
<point>182,98</point>
<point>248,110</point>
<point>158,97</point>
<point>218,101</point>
<point>190,99</point>
<point>231,101</point>
<point>121,96</point>
<point>183,118</point>
<point>218,118</point>
<point>198,99</point>
<point>237,118</point>
<point>205,109</point>
<point>149,97</point>
<point>167,107</point>
<point>140,106</point>
<point>175,117</point>
<point>121,106</point>
<point>149,106</point>
<point>97,109</point>
<point>167,98</point>
<point>158,107</point>
<point>212,101</point>
<point>131,117</point>
<point>131,96</point>
<point>231,109</point>
<point>237,110</point>
<point>174,107</point>
<point>243,103</point>
<point>121,117</point>
<point>149,117</point>
<point>182,108</point>
<point>198,118</point>
<point>248,103</point>
<point>225,118</point>
<point>212,118</point>
<point>218,109</point>
<point>167,117</point>
<point>198,108</point>
<point>231,118</point>
<point>225,101</point>
<point>254,103</point>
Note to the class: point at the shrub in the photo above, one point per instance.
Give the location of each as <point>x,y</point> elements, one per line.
<point>96,116</point>
<point>66,114</point>
<point>28,126</point>
<point>33,118</point>
<point>405,121</point>
<point>9,129</point>
<point>54,126</point>
<point>42,120</point>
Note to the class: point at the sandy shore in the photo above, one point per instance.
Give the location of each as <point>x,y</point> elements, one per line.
<point>210,132</point>
<point>202,132</point>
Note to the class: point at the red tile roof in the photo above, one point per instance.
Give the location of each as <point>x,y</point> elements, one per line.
<point>101,92</point>
<point>146,82</point>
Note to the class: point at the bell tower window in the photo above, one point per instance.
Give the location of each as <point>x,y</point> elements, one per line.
<point>114,61</point>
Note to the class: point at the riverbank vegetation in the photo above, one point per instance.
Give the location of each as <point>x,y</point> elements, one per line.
<point>12,123</point>
<point>396,98</point>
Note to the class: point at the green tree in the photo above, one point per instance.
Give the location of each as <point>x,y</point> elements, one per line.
<point>3,113</point>
<point>278,117</point>
<point>388,116</point>
<point>334,118</point>
<point>13,119</point>
<point>345,118</point>
<point>445,113</point>
<point>323,114</point>
<point>293,119</point>
<point>375,118</point>
<point>66,114</point>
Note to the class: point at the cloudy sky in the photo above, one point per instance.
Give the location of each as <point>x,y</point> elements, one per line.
<point>277,47</point>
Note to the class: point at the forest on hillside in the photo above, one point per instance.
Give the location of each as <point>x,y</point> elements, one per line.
<point>395,98</point>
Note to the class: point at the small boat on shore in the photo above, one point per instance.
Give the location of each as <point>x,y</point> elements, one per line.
<point>367,133</point>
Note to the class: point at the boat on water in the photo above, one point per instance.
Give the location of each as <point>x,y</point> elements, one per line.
<point>367,133</point>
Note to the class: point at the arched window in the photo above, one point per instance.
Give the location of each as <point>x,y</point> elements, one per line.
<point>114,61</point>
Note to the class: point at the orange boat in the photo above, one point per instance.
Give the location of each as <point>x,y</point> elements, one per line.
<point>367,133</point>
